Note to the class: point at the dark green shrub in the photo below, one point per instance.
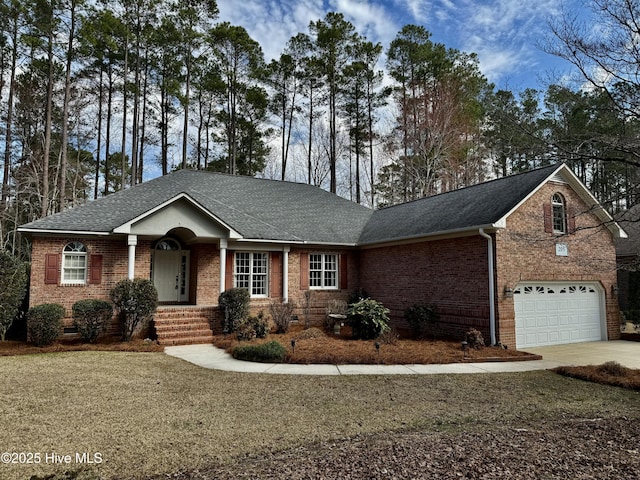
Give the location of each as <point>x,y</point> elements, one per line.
<point>419,317</point>
<point>136,301</point>
<point>44,323</point>
<point>632,316</point>
<point>281,314</point>
<point>368,318</point>
<point>13,288</point>
<point>474,339</point>
<point>234,304</point>
<point>357,295</point>
<point>267,352</point>
<point>253,327</point>
<point>91,317</point>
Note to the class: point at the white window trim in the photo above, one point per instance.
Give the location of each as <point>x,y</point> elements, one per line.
<point>74,254</point>
<point>562,205</point>
<point>251,273</point>
<point>323,271</point>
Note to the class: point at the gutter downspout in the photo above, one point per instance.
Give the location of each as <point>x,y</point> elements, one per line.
<point>492,294</point>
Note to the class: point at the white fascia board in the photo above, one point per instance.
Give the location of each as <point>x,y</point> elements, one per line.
<point>582,191</point>
<point>458,232</point>
<point>296,242</point>
<point>126,227</point>
<point>60,232</point>
<point>263,240</point>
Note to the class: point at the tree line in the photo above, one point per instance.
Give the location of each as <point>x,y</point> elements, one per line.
<point>93,95</point>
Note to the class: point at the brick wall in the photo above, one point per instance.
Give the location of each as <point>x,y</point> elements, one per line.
<point>115,260</point>
<point>318,300</point>
<point>450,273</point>
<point>525,252</point>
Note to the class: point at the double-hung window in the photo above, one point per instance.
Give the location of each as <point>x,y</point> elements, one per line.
<point>251,272</point>
<point>323,270</point>
<point>74,264</point>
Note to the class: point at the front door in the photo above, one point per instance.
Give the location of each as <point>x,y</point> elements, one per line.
<point>171,272</point>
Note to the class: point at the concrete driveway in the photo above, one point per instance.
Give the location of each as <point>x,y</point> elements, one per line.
<point>592,353</point>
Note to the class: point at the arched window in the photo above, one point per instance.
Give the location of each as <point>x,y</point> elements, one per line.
<point>559,214</point>
<point>167,244</point>
<point>74,264</point>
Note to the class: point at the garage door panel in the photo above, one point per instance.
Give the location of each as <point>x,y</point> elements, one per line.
<point>555,313</point>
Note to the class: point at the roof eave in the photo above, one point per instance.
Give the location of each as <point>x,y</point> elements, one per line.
<point>456,232</point>
<point>61,232</point>
<point>582,191</point>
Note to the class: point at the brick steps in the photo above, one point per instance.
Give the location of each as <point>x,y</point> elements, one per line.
<point>184,325</point>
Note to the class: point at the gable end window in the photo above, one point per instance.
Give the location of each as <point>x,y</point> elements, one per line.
<point>559,214</point>
<point>74,264</point>
<point>323,271</point>
<point>251,271</point>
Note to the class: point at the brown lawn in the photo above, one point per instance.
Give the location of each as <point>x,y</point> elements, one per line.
<point>314,346</point>
<point>104,344</point>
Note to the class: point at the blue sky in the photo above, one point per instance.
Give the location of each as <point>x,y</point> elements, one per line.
<point>506,34</point>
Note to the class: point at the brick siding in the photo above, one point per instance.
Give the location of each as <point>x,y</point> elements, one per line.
<point>448,272</point>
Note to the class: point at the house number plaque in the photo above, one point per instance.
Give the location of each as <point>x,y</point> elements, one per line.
<point>562,250</point>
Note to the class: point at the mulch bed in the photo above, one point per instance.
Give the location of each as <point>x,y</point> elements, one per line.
<point>322,348</point>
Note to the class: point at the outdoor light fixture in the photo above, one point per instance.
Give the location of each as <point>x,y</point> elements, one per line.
<point>293,345</point>
<point>377,345</point>
<point>508,292</point>
<point>614,290</point>
<point>465,347</point>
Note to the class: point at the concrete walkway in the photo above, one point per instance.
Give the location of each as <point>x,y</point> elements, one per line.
<point>590,353</point>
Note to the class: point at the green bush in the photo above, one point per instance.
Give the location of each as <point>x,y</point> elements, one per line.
<point>632,316</point>
<point>234,304</point>
<point>44,323</point>
<point>419,317</point>
<point>136,301</point>
<point>368,318</point>
<point>267,352</point>
<point>253,327</point>
<point>91,317</point>
<point>13,288</point>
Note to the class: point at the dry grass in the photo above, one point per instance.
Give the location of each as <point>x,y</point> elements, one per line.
<point>609,373</point>
<point>148,413</point>
<point>335,350</point>
<point>104,344</point>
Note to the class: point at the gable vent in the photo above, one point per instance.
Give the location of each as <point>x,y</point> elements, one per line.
<point>558,178</point>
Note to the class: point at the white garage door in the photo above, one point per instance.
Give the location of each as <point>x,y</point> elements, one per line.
<point>555,313</point>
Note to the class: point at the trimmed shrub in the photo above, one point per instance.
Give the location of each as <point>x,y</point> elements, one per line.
<point>13,288</point>
<point>419,317</point>
<point>234,304</point>
<point>136,301</point>
<point>474,339</point>
<point>253,327</point>
<point>44,323</point>
<point>91,318</point>
<point>368,318</point>
<point>281,314</point>
<point>266,352</point>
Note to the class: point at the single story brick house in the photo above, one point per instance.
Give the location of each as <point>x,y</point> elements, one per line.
<point>528,259</point>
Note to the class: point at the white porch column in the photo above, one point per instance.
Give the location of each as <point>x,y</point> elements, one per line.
<point>132,241</point>
<point>285,275</point>
<point>223,263</point>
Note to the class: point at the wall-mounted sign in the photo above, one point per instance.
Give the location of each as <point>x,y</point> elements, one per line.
<point>562,250</point>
